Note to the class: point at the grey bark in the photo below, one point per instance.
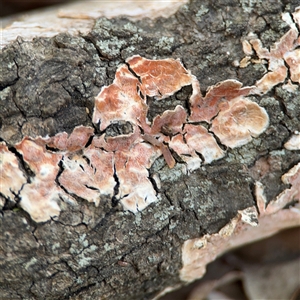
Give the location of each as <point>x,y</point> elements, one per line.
<point>48,86</point>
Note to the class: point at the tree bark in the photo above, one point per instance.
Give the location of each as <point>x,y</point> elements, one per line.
<point>48,85</point>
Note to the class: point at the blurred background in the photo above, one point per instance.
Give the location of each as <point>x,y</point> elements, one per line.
<point>11,7</point>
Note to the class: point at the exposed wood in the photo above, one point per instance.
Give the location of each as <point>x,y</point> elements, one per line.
<point>78,17</point>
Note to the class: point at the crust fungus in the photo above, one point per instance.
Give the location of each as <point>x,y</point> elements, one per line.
<point>131,160</point>
<point>292,58</point>
<point>89,176</point>
<point>40,197</point>
<point>73,142</point>
<point>296,15</point>
<point>271,79</point>
<point>292,177</point>
<point>239,122</point>
<point>160,78</point>
<point>136,191</point>
<point>290,87</point>
<point>196,139</point>
<point>162,147</point>
<point>247,48</point>
<point>248,226</point>
<point>187,154</point>
<point>118,166</point>
<point>293,143</point>
<point>125,98</point>
<point>170,122</point>
<point>11,177</point>
<point>217,97</point>
<point>281,53</point>
<point>120,101</point>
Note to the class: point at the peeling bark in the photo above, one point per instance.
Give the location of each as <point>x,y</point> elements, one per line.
<point>48,86</point>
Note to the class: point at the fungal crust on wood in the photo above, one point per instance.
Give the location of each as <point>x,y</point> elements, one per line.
<point>248,226</point>
<point>64,166</point>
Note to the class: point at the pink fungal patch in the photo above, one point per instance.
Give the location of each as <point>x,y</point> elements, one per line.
<point>117,143</point>
<point>170,122</point>
<point>160,78</point>
<point>125,98</point>
<point>132,158</point>
<point>186,153</point>
<point>293,143</point>
<point>120,100</point>
<point>89,176</point>
<point>198,138</point>
<point>118,166</point>
<point>92,166</point>
<point>281,53</point>
<point>239,122</point>
<point>271,79</point>
<point>12,178</point>
<point>217,96</point>
<point>292,177</point>
<point>293,60</point>
<point>73,142</point>
<point>40,197</point>
<point>136,191</point>
<point>296,16</point>
<point>39,159</point>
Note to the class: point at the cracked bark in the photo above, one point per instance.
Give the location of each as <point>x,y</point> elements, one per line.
<point>48,86</point>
